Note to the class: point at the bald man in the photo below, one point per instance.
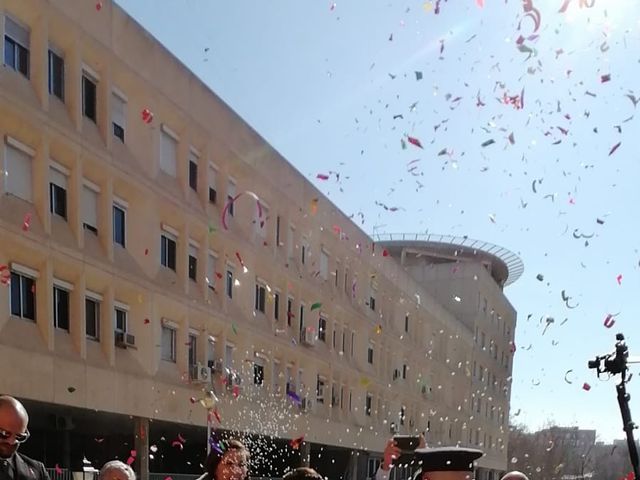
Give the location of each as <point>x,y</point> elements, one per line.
<point>515,475</point>
<point>13,431</point>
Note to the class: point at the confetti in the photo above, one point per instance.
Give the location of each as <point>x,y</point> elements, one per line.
<point>296,442</point>
<point>147,321</point>
<point>316,306</point>
<point>614,148</point>
<point>178,444</point>
<point>322,176</point>
<point>378,329</point>
<point>491,141</point>
<point>414,141</point>
<point>147,116</point>
<point>26,222</point>
<point>586,387</point>
<point>234,329</point>
<point>605,78</point>
<point>99,6</point>
<point>566,375</point>
<point>5,275</point>
<point>418,75</point>
<point>294,397</point>
<point>540,278</point>
<point>609,321</point>
<point>71,389</point>
<point>385,253</point>
<point>619,279</point>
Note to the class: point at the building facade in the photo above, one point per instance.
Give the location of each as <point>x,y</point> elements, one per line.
<point>155,248</point>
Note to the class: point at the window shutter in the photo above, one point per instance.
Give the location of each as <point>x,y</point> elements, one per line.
<point>18,178</point>
<point>16,32</point>
<point>118,110</point>
<point>168,154</point>
<point>57,177</point>
<point>90,207</point>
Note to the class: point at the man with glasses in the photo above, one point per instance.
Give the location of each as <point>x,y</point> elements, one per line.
<point>13,432</point>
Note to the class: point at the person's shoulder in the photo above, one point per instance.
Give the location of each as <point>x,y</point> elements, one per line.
<point>30,461</point>
<point>31,467</point>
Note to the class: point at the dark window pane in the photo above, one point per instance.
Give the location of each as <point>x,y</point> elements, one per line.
<point>9,52</point>
<point>56,75</point>
<point>118,131</point>
<point>193,175</point>
<point>212,195</point>
<point>58,200</point>
<point>193,267</point>
<point>171,253</point>
<point>163,251</point>
<point>23,61</point>
<point>89,97</point>
<point>61,298</point>
<point>28,298</point>
<point>230,209</point>
<point>16,303</point>
<point>119,226</point>
<point>92,312</point>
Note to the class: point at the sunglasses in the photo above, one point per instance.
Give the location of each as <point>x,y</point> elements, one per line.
<point>20,437</point>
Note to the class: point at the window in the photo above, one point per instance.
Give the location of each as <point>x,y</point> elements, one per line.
<point>118,115</point>
<point>211,270</point>
<point>92,317</point>
<point>276,306</point>
<point>406,323</point>
<point>229,282</point>
<point>303,251</point>
<point>23,296</point>
<point>324,264</point>
<point>193,171</point>
<point>121,319</point>
<point>18,168</point>
<point>372,296</point>
<point>405,368</point>
<point>231,195</point>
<point>344,340</point>
<point>193,262</point>
<point>290,313</point>
<point>168,250</point>
<point>228,356</point>
<point>168,151</point>
<point>353,342</point>
<point>322,329</point>
<point>372,467</point>
<point>370,354</point>
<point>90,207</point>
<point>193,349</point>
<point>367,405</point>
<point>56,75</point>
<point>260,221</point>
<point>58,192</point>
<point>119,225</point>
<point>336,273</point>
<point>213,194</point>
<point>16,46</point>
<point>89,96</point>
<point>258,374</point>
<point>403,413</point>
<point>483,339</point>
<point>290,237</point>
<point>260,297</point>
<point>320,381</point>
<point>301,317</point>
<point>278,231</point>
<point>60,308</point>
<point>335,335</point>
<point>168,342</point>
<point>341,397</point>
<point>350,399</point>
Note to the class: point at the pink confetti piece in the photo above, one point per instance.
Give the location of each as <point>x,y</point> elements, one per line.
<point>619,279</point>
<point>296,442</point>
<point>181,439</point>
<point>176,443</point>
<point>294,396</point>
<point>147,116</point>
<point>414,141</point>
<point>605,78</point>
<point>58,470</point>
<point>322,176</point>
<point>614,148</point>
<point>480,3</point>
<point>609,321</point>
<point>130,460</point>
<point>586,387</point>
<point>99,6</point>
<point>26,222</point>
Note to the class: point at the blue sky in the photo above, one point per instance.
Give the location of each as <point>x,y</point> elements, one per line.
<point>323,85</point>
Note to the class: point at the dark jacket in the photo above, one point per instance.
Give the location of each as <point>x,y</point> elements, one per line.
<point>29,469</point>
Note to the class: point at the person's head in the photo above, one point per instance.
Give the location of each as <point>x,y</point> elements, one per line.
<point>303,473</point>
<point>13,425</point>
<point>228,460</point>
<point>116,470</point>
<point>446,463</point>
<point>515,475</point>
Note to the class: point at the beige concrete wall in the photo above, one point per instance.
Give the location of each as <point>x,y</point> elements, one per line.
<point>436,348</point>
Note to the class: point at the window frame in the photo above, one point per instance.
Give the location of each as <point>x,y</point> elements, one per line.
<point>92,298</point>
<point>119,206</point>
<point>25,292</point>
<point>52,54</point>
<point>58,291</point>
<point>57,207</point>
<point>89,78</point>
<point>20,51</point>
<point>260,297</point>
<point>166,239</point>
<point>173,339</point>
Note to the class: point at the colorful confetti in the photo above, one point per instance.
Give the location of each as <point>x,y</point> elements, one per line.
<point>414,141</point>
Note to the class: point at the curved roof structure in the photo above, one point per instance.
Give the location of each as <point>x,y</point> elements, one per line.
<point>506,266</point>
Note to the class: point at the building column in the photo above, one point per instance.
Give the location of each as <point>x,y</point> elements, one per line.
<point>141,434</point>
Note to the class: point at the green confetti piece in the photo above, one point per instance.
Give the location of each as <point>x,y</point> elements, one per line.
<point>212,229</point>
<point>233,327</point>
<point>316,306</point>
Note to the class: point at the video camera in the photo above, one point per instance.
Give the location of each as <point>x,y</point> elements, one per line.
<point>615,362</point>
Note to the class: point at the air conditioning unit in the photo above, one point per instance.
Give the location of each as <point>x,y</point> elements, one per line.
<point>200,373</point>
<point>232,379</point>
<point>306,405</point>
<point>124,340</point>
<point>308,336</point>
<point>216,366</point>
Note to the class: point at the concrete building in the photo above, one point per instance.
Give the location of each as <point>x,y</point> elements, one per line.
<point>133,285</point>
